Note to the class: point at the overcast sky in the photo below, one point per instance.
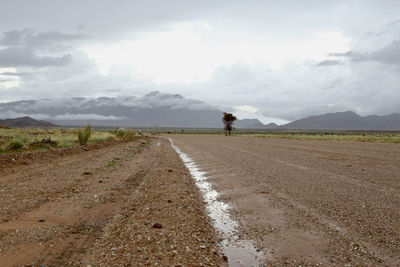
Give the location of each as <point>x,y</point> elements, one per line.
<point>272,60</point>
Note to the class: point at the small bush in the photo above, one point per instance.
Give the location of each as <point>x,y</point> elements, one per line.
<point>84,135</point>
<point>123,134</point>
<point>15,145</point>
<point>45,143</point>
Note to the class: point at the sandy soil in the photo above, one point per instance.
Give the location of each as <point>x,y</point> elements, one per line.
<point>127,204</point>
<point>308,203</point>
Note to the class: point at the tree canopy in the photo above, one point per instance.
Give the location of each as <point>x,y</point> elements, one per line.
<point>228,120</point>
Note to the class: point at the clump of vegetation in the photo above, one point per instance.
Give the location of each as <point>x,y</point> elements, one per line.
<point>84,135</point>
<point>44,143</point>
<point>111,163</point>
<point>123,134</point>
<point>15,145</point>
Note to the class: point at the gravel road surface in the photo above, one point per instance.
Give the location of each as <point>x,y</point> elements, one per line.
<point>127,204</point>
<point>308,203</point>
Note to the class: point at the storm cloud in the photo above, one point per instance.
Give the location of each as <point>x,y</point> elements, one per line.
<point>281,60</point>
<point>28,37</point>
<point>329,62</point>
<point>16,57</point>
<point>389,54</point>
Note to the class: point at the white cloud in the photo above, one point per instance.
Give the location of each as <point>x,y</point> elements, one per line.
<point>246,108</point>
<point>260,54</point>
<point>90,116</point>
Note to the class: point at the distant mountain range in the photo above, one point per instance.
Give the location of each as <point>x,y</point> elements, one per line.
<point>25,122</point>
<point>151,110</point>
<point>169,110</point>
<point>254,124</point>
<point>346,121</point>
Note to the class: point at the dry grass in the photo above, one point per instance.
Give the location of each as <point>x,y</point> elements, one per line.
<point>11,138</point>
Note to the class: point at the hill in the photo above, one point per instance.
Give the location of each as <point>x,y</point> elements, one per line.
<point>154,109</point>
<point>25,122</point>
<point>346,121</point>
<point>157,109</point>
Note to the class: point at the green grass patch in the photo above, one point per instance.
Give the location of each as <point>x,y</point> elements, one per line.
<point>33,139</point>
<point>15,145</point>
<point>111,163</point>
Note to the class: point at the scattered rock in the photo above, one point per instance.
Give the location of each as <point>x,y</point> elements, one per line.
<point>41,220</point>
<point>157,225</point>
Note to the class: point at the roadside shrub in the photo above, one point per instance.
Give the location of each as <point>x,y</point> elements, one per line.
<point>45,143</point>
<point>124,134</point>
<point>84,135</point>
<point>15,145</point>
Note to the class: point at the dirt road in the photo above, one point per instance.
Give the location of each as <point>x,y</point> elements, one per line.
<point>307,202</point>
<point>129,204</point>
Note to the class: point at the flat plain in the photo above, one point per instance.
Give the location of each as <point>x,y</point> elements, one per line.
<point>307,202</point>
<point>133,203</point>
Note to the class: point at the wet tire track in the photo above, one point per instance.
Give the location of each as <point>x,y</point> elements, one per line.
<point>308,202</point>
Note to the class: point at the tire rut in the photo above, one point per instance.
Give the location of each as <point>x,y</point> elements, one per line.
<point>80,209</point>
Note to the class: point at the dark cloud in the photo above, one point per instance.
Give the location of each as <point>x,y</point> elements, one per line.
<point>52,33</point>
<point>329,62</point>
<point>27,48</point>
<point>16,74</point>
<point>389,54</point>
<point>6,80</point>
<point>17,57</point>
<point>346,54</point>
<point>29,37</point>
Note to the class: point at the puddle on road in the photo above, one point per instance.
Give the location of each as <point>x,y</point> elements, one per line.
<point>239,252</point>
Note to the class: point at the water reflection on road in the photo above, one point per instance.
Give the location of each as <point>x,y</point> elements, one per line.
<point>239,252</point>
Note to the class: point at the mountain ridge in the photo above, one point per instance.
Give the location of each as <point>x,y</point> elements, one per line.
<point>156,109</point>
<point>347,120</point>
<point>25,122</point>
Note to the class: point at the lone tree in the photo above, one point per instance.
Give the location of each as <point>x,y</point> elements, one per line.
<point>228,120</point>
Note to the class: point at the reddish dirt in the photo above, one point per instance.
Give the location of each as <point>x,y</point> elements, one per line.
<point>9,160</point>
<point>125,204</point>
<point>308,203</point>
